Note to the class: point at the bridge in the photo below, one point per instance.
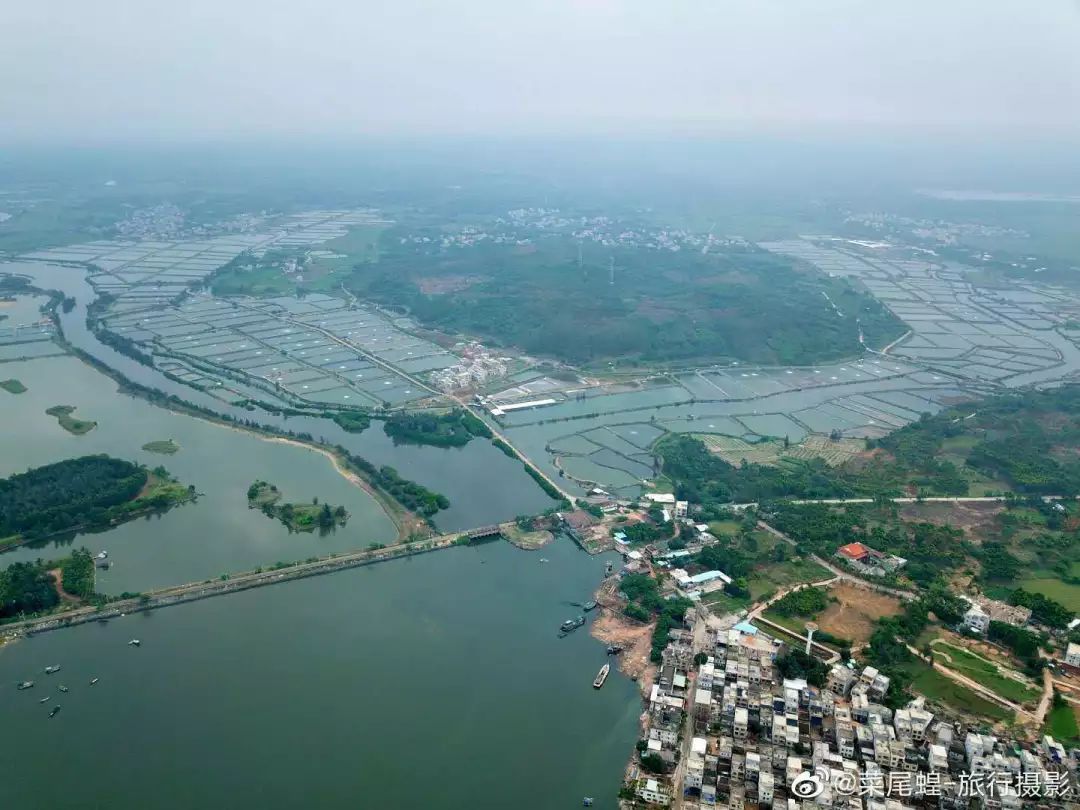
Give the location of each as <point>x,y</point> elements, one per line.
<point>484,532</point>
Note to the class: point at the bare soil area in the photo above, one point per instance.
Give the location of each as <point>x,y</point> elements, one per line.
<point>978,520</point>
<point>856,610</point>
<point>635,639</point>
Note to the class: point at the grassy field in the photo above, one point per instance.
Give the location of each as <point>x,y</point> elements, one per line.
<point>724,528</point>
<point>773,577</point>
<point>1061,724</point>
<point>721,603</point>
<point>983,671</point>
<point>63,414</point>
<point>13,386</point>
<point>937,687</point>
<point>1067,594</point>
<point>166,447</point>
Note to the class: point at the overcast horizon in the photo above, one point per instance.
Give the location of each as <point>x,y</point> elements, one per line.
<point>118,70</point>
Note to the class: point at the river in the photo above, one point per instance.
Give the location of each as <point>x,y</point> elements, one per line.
<point>482,484</point>
<point>436,681</point>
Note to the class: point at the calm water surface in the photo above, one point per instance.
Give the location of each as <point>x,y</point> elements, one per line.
<point>433,682</point>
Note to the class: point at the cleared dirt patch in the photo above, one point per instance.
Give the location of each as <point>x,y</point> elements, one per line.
<point>978,520</point>
<point>635,639</point>
<point>856,610</point>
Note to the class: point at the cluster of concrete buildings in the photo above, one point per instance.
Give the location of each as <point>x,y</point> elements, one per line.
<point>724,730</point>
<point>475,369</point>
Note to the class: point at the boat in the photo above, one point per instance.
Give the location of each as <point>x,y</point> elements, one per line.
<point>570,625</point>
<point>614,649</point>
<point>134,642</point>
<point>45,699</point>
<point>587,801</point>
<point>94,680</point>
<point>63,688</point>
<point>543,559</point>
<point>52,670</point>
<point>103,555</point>
<point>601,676</point>
<point>25,685</point>
<point>55,711</point>
<point>590,605</point>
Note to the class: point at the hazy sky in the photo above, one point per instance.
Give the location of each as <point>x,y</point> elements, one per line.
<point>207,69</point>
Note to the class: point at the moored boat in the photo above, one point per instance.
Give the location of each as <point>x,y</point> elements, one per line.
<point>601,676</point>
<point>571,625</point>
<point>590,605</point>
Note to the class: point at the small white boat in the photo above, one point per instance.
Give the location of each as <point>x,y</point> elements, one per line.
<point>94,680</point>
<point>44,699</point>
<point>134,643</point>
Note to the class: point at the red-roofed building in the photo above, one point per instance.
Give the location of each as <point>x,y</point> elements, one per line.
<point>854,551</point>
<point>868,560</point>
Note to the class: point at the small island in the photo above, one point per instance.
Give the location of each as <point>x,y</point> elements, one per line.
<point>298,517</point>
<point>166,447</point>
<point>453,429</point>
<point>82,493</point>
<point>352,421</point>
<point>63,414</point>
<point>13,386</point>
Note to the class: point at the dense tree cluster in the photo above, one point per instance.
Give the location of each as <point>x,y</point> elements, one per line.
<point>408,493</point>
<point>797,664</point>
<point>453,429</point>
<point>742,303</point>
<point>1043,608</point>
<point>77,572</point>
<point>26,587</point>
<point>805,602</point>
<point>75,492</point>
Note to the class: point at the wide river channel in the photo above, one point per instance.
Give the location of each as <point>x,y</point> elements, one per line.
<point>434,681</point>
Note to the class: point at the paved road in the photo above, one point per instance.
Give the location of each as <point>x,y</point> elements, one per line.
<point>193,591</point>
<point>907,499</point>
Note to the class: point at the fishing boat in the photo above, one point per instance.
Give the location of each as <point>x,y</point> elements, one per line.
<point>52,670</point>
<point>25,685</point>
<point>55,711</point>
<point>63,688</point>
<point>570,625</point>
<point>601,676</point>
<point>590,605</point>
